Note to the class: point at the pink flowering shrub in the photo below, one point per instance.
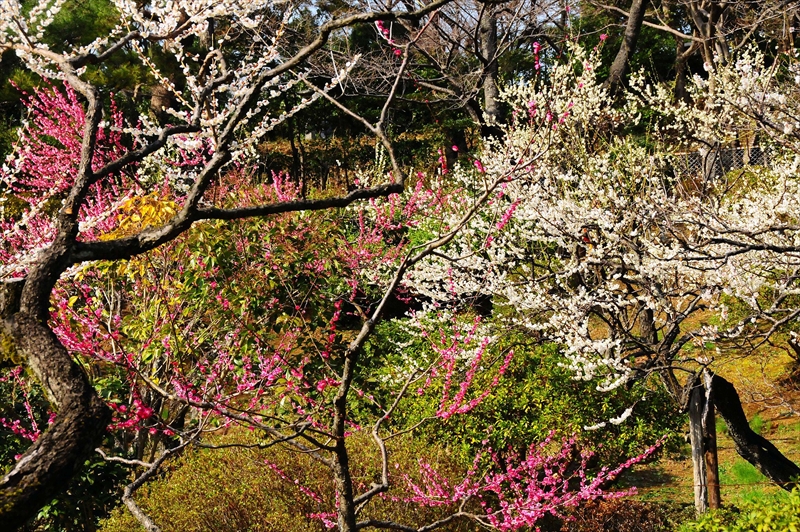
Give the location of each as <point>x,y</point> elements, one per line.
<point>246,325</point>
<point>43,168</point>
<point>517,491</point>
<point>23,425</point>
<point>243,317</point>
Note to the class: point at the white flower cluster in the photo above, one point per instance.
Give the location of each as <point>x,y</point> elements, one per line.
<point>602,245</point>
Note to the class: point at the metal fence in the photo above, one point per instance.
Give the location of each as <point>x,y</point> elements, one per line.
<point>718,162</point>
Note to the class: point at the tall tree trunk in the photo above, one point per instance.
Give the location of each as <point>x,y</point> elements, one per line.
<point>619,67</point>
<point>82,417</point>
<point>682,55</point>
<point>488,40</point>
<point>750,446</point>
<point>710,444</point>
<point>346,507</point>
<point>647,326</point>
<point>346,514</point>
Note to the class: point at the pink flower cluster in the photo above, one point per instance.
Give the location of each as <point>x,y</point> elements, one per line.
<point>451,348</point>
<point>517,491</point>
<point>387,35</point>
<point>28,429</point>
<point>45,165</point>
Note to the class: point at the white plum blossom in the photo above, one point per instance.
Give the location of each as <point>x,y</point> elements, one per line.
<point>605,246</point>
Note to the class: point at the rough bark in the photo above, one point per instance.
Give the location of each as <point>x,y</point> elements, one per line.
<point>710,444</point>
<point>619,67</point>
<point>346,507</point>
<point>346,515</point>
<point>750,446</point>
<point>700,481</point>
<point>81,419</point>
<point>647,326</point>
<point>682,55</point>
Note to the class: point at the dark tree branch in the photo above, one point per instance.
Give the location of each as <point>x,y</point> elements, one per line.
<point>662,27</point>
<point>619,67</point>
<point>752,447</point>
<point>127,247</point>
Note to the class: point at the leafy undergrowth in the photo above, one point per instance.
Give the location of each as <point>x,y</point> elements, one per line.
<point>777,513</point>
<point>266,490</point>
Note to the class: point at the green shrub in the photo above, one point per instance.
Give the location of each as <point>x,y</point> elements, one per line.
<point>774,514</point>
<point>536,395</point>
<point>242,490</point>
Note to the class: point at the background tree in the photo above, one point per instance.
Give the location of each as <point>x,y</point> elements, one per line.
<point>704,32</point>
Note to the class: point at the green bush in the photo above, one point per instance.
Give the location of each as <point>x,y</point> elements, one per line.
<point>242,490</point>
<point>775,514</point>
<point>536,395</point>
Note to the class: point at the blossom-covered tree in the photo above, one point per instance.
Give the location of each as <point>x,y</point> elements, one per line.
<point>218,115</point>
<point>179,332</point>
<point>608,247</point>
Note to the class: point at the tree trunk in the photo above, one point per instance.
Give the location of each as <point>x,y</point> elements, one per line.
<point>682,55</point>
<point>700,482</point>
<point>488,38</point>
<point>346,514</point>
<point>81,419</point>
<point>346,508</point>
<point>710,444</point>
<point>619,67</point>
<point>750,446</point>
<point>647,326</point>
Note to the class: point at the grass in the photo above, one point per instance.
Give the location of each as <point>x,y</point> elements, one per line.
<point>742,472</point>
<point>670,479</point>
<point>758,424</point>
<point>789,430</point>
<point>746,485</point>
<point>721,427</point>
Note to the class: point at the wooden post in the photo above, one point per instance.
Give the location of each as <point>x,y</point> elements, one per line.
<point>696,410</point>
<point>710,441</point>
